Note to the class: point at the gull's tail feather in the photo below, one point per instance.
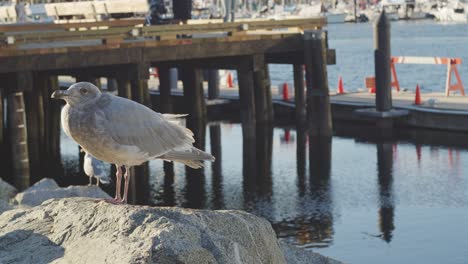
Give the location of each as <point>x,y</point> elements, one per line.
<point>192,157</point>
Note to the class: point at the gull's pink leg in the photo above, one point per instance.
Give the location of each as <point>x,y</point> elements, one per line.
<point>97,182</point>
<point>90,181</point>
<point>118,177</point>
<point>127,181</point>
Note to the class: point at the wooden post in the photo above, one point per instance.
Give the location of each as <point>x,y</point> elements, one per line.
<point>195,178</point>
<point>33,118</point>
<point>385,179</point>
<point>2,123</point>
<point>262,90</point>
<point>193,93</point>
<point>111,84</point>
<point>213,84</point>
<point>165,101</point>
<point>165,89</point>
<point>269,101</point>
<point>216,167</point>
<point>299,97</point>
<point>247,100</point>
<point>54,132</point>
<point>264,150</point>
<point>318,99</point>
<point>124,87</point>
<point>139,84</point>
<point>301,141</point>
<point>382,56</point>
<point>17,132</point>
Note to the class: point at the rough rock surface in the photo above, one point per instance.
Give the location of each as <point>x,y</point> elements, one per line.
<point>6,191</point>
<point>295,255</point>
<point>83,230</point>
<point>4,206</point>
<point>47,189</point>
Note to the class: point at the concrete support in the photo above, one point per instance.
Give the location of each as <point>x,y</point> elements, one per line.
<point>318,99</point>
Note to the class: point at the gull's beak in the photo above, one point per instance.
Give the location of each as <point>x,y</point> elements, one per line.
<point>60,94</point>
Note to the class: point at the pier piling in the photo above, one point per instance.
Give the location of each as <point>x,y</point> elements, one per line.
<point>165,89</point>
<point>247,100</point>
<point>17,132</point>
<point>299,97</point>
<point>213,84</point>
<point>318,99</point>
<point>383,97</point>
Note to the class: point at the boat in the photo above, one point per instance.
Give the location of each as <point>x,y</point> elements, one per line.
<point>452,12</point>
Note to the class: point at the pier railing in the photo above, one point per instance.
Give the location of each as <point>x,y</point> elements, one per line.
<point>111,32</point>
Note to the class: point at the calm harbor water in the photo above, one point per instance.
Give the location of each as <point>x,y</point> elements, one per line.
<point>360,200</point>
<point>355,54</point>
<point>356,199</point>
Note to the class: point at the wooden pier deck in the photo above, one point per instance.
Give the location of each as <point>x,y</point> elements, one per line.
<point>33,56</point>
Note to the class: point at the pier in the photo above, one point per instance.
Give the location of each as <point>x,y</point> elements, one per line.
<point>33,56</point>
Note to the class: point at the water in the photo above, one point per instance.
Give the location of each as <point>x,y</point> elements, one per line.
<point>360,201</point>
<point>355,50</point>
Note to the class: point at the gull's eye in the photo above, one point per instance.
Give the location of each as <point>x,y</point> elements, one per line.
<point>83,91</point>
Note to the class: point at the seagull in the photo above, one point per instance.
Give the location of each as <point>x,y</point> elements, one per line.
<point>94,168</point>
<point>125,133</point>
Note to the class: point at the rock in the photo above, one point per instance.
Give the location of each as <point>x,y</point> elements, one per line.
<point>6,191</point>
<point>4,206</point>
<point>44,184</point>
<point>83,230</point>
<point>295,255</point>
<point>47,189</point>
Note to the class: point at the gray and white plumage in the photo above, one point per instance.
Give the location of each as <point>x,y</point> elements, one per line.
<point>125,133</point>
<point>120,131</point>
<point>95,168</point>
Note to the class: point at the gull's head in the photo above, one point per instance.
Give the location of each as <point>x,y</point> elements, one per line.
<point>79,93</point>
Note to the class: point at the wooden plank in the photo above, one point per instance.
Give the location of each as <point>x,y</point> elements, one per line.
<point>66,26</point>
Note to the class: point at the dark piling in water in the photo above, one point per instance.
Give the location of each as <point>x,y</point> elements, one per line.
<point>382,56</point>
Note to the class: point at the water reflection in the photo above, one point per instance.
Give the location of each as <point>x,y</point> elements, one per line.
<point>320,149</point>
<point>216,166</point>
<point>195,193</point>
<point>386,197</point>
<point>310,200</point>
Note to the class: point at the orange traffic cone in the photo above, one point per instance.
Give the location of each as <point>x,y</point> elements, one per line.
<point>285,92</point>
<point>340,89</point>
<point>229,81</point>
<point>417,97</point>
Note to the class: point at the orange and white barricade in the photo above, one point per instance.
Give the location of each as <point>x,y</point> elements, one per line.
<point>451,67</point>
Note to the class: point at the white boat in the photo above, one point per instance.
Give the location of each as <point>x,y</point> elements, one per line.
<point>85,10</point>
<point>453,12</point>
<point>7,13</point>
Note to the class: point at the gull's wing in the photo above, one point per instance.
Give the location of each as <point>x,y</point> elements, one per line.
<point>129,123</point>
